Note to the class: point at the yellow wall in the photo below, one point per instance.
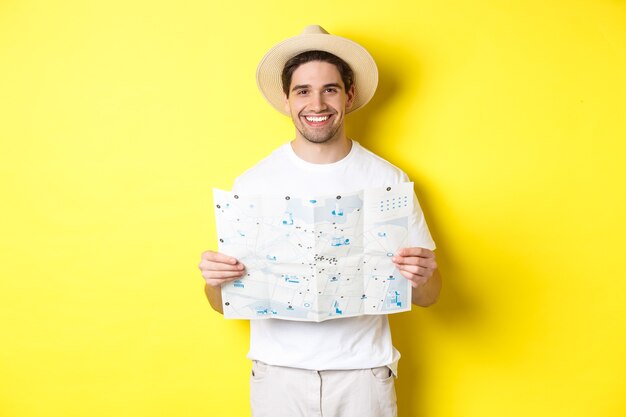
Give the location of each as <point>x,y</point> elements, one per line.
<point>117,117</point>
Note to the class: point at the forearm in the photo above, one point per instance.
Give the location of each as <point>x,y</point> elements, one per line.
<point>427,294</point>
<point>214,295</point>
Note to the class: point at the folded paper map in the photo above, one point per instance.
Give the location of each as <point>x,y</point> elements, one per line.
<point>315,258</point>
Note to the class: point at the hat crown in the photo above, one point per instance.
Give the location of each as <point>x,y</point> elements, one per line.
<point>314,30</point>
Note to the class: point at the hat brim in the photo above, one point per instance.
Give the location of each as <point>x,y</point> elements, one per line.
<point>363,66</point>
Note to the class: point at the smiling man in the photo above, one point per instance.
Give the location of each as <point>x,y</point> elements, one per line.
<point>317,110</point>
<point>343,367</point>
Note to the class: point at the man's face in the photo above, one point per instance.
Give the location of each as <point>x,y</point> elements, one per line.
<point>318,101</point>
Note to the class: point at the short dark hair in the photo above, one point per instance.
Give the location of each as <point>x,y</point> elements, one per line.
<point>347,76</point>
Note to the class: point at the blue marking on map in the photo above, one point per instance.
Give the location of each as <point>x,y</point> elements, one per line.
<point>349,205</point>
<point>336,305</point>
<point>300,211</point>
<point>264,311</point>
<point>291,278</point>
<point>238,284</point>
<point>382,234</point>
<point>322,211</point>
<point>395,298</point>
<point>289,220</point>
<point>339,241</point>
<point>270,257</point>
<point>337,212</point>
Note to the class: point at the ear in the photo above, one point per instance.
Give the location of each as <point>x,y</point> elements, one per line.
<point>287,109</point>
<point>350,97</point>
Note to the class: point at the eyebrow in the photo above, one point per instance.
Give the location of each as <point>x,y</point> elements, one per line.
<point>301,86</point>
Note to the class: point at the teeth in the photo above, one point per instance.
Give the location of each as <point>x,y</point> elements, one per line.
<point>317,118</point>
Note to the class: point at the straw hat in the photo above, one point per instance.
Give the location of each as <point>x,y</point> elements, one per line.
<point>315,38</point>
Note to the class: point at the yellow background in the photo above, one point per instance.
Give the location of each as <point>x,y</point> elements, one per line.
<point>118,117</point>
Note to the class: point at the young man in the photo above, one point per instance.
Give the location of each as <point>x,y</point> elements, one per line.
<point>343,367</point>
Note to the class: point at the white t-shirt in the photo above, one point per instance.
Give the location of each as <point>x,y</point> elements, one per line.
<point>344,343</point>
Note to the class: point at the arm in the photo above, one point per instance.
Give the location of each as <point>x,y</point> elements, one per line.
<point>218,269</point>
<point>418,266</point>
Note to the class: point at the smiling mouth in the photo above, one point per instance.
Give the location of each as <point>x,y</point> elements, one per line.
<point>317,120</point>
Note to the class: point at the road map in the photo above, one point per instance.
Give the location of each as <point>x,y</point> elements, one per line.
<point>315,258</point>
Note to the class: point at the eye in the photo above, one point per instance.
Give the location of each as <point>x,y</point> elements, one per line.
<point>302,92</point>
<point>331,90</point>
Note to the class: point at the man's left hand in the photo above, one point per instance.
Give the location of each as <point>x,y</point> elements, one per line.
<point>415,264</point>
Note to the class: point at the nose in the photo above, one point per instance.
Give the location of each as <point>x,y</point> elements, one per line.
<point>317,102</point>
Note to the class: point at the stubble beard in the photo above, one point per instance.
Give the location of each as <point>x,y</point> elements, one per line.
<point>317,137</point>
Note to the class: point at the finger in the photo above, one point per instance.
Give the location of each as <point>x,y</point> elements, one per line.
<point>413,269</point>
<point>416,270</point>
<point>414,260</point>
<point>414,279</point>
<point>408,260</point>
<point>419,252</point>
<point>218,266</point>
<point>218,257</point>
<point>222,274</point>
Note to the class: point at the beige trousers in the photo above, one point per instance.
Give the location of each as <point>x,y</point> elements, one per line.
<point>277,391</point>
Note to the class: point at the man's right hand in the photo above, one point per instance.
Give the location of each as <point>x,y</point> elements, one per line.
<point>218,269</point>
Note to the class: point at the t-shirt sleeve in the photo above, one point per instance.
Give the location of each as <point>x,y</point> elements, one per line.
<point>419,235</point>
<point>236,188</point>
<point>243,185</point>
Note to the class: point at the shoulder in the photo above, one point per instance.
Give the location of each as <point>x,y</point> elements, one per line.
<point>378,165</point>
<point>269,166</point>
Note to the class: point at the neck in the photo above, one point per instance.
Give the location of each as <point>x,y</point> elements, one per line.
<point>322,153</point>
